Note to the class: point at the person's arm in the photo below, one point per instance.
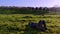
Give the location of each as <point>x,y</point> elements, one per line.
<point>44,24</point>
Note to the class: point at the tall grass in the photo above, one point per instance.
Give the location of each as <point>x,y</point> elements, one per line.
<point>16,24</point>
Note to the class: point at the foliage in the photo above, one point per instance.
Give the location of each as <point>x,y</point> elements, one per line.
<point>24,10</point>
<point>15,24</point>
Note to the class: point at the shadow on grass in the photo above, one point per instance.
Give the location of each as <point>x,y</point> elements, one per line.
<point>29,30</point>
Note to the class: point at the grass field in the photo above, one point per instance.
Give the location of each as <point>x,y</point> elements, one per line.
<point>16,24</point>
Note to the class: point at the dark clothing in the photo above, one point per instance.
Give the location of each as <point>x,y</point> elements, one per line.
<point>42,25</point>
<point>31,24</point>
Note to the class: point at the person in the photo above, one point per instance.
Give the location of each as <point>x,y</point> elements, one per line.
<point>42,25</point>
<point>31,24</point>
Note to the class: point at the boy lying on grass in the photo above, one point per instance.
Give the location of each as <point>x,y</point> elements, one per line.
<point>41,25</point>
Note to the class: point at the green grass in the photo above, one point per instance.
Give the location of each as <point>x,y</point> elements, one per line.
<point>16,24</point>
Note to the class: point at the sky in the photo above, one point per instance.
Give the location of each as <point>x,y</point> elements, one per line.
<point>30,3</point>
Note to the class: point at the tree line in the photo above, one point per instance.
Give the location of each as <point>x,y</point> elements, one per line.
<point>25,10</point>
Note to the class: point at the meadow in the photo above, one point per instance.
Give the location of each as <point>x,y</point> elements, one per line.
<point>16,23</point>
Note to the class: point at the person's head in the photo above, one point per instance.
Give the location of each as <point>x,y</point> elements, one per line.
<point>40,20</point>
